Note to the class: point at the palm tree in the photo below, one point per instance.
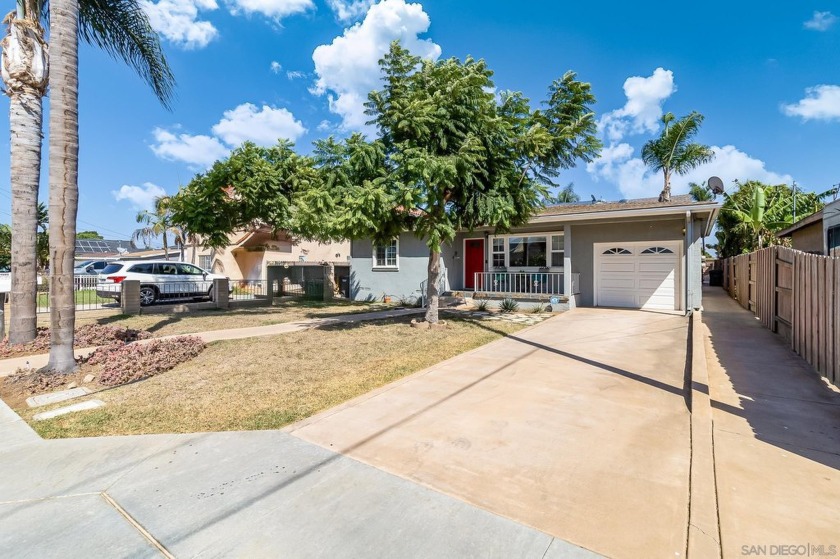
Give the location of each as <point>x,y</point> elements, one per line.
<point>700,192</point>
<point>672,152</point>
<point>565,195</point>
<point>122,29</point>
<point>158,223</point>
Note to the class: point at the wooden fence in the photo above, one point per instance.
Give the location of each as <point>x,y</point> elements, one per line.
<point>796,295</point>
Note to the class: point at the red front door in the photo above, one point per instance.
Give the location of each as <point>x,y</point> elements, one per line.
<point>473,261</point>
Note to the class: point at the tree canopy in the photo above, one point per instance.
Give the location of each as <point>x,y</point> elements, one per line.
<point>751,216</point>
<point>673,151</point>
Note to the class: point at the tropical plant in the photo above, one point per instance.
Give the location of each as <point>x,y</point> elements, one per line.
<point>538,308</point>
<point>673,152</point>
<point>700,192</point>
<point>89,235</point>
<point>121,28</point>
<point>42,239</point>
<point>751,216</point>
<point>508,305</point>
<point>482,305</point>
<point>159,223</point>
<point>565,195</point>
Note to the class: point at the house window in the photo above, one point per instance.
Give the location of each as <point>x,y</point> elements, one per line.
<point>385,254</point>
<point>657,250</point>
<point>205,262</point>
<point>527,252</point>
<point>557,250</point>
<point>833,238</point>
<point>617,250</point>
<point>499,252</point>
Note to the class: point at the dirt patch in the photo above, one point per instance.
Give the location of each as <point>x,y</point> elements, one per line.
<point>86,335</point>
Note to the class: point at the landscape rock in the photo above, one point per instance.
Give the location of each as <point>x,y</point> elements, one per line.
<point>72,385</point>
<point>88,378</point>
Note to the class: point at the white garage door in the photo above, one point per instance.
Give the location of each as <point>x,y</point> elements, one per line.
<point>638,275</point>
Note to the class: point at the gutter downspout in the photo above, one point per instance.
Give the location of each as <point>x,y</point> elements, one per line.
<point>688,250</point>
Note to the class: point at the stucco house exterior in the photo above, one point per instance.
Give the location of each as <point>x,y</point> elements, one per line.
<point>818,233</point>
<point>249,253</point>
<point>633,253</point>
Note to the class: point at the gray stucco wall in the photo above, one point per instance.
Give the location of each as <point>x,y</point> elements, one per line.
<point>585,235</point>
<point>367,284</point>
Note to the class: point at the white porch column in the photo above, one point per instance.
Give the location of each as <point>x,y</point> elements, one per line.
<point>567,265</point>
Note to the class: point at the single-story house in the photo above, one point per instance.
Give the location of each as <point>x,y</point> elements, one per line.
<point>249,253</point>
<point>817,233</point>
<point>633,253</point>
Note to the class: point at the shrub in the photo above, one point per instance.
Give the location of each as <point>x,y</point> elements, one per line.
<point>482,305</point>
<point>406,301</point>
<point>538,308</point>
<point>123,363</point>
<point>508,305</point>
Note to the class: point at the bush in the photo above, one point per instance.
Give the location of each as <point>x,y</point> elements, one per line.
<point>406,301</point>
<point>538,309</point>
<point>508,305</point>
<point>127,363</point>
<point>482,305</point>
<point>89,335</point>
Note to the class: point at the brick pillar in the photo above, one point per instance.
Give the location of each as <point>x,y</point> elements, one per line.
<point>221,293</point>
<point>130,297</point>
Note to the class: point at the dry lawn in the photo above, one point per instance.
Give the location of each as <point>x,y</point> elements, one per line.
<point>206,320</point>
<point>266,383</point>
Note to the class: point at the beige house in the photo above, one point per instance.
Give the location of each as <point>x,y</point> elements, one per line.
<point>249,253</point>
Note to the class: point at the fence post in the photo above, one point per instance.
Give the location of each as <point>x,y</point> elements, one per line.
<point>329,282</point>
<point>130,297</point>
<point>221,293</point>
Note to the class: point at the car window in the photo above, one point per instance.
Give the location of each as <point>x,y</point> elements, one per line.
<point>112,268</point>
<point>166,269</point>
<point>99,265</point>
<point>142,268</point>
<point>83,264</point>
<point>190,270</point>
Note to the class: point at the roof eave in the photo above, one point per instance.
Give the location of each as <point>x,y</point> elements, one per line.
<point>631,212</point>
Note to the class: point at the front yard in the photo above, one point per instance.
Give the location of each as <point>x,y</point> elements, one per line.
<point>269,382</point>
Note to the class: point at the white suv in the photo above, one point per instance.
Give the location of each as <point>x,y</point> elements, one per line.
<point>159,279</point>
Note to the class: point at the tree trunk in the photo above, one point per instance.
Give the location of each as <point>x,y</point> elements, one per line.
<point>25,120</point>
<point>192,257</point>
<point>665,195</point>
<point>165,248</point>
<point>63,178</point>
<point>432,291</point>
<point>23,65</point>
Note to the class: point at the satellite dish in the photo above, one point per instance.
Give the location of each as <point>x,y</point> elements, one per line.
<point>715,185</point>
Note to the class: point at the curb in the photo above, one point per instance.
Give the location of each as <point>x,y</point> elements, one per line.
<point>703,521</point>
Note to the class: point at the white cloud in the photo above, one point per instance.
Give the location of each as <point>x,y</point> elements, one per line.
<point>276,66</point>
<point>820,21</point>
<point>643,110</point>
<point>141,197</point>
<point>820,103</point>
<point>263,126</point>
<point>324,126</point>
<point>618,165</point>
<point>350,10</point>
<point>177,21</point>
<point>348,68</point>
<point>196,151</point>
<point>276,9</point>
<point>295,74</point>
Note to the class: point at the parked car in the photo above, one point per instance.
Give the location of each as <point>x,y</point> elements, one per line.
<point>159,279</point>
<point>90,267</point>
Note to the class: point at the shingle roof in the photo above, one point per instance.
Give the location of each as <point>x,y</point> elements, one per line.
<point>682,200</point>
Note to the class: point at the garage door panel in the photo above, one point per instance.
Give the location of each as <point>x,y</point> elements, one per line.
<point>648,281</point>
<point>615,267</point>
<point>652,284</point>
<point>664,266</point>
<point>611,282</point>
<point>609,298</point>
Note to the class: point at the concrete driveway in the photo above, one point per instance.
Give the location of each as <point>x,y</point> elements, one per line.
<point>577,427</point>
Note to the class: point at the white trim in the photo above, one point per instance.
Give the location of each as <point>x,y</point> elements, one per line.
<point>393,268</point>
<point>464,258</point>
<point>679,281</point>
<point>611,214</point>
<point>506,236</point>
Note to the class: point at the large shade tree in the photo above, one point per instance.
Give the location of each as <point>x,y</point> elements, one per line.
<point>121,28</point>
<point>450,156</point>
<point>673,152</point>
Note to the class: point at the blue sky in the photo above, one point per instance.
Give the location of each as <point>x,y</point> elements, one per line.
<point>765,77</point>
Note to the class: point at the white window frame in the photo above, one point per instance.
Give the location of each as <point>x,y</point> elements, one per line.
<point>547,234</point>
<point>395,266</point>
<point>209,258</point>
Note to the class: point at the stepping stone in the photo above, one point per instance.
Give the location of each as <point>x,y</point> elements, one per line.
<point>81,406</point>
<point>56,397</point>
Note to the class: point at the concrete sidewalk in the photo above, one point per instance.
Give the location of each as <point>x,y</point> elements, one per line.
<point>776,437</point>
<point>9,366</point>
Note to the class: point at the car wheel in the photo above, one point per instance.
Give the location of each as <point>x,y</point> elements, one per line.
<point>117,299</point>
<point>210,295</point>
<point>148,295</point>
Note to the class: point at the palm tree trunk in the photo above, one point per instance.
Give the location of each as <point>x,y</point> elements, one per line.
<point>165,248</point>
<point>23,64</point>
<point>432,292</point>
<point>25,120</point>
<point>63,178</point>
<point>665,195</point>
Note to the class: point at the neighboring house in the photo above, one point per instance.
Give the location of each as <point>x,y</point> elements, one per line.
<point>249,253</point>
<point>817,233</point>
<point>633,253</point>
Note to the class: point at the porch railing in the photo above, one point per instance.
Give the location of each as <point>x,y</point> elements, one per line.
<point>524,283</point>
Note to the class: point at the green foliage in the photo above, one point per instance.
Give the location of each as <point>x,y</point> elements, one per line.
<point>700,192</point>
<point>159,223</point>
<point>89,235</point>
<point>508,305</point>
<point>752,215</point>
<point>5,246</point>
<point>538,308</point>
<point>565,195</point>
<point>482,305</point>
<point>253,186</point>
<point>673,152</point>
